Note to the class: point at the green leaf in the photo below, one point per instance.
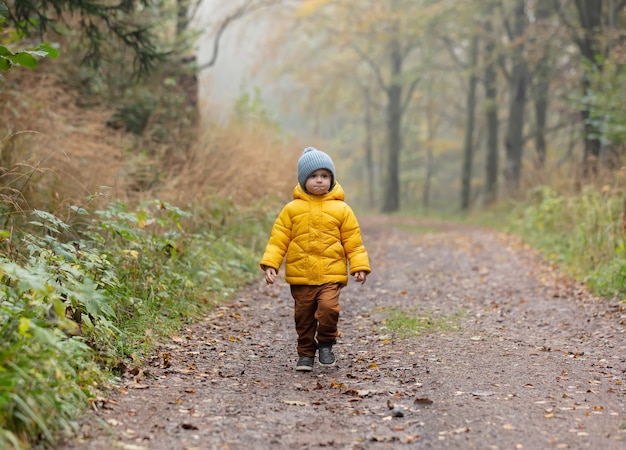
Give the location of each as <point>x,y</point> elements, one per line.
<point>79,210</point>
<point>24,59</point>
<point>5,64</point>
<point>50,51</point>
<point>4,12</point>
<point>5,51</point>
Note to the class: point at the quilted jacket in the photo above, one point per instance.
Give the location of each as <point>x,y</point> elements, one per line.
<point>320,236</point>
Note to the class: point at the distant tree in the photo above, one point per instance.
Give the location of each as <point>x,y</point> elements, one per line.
<point>518,85</point>
<point>490,78</point>
<point>541,78</point>
<point>592,28</point>
<point>379,41</point>
<point>468,144</point>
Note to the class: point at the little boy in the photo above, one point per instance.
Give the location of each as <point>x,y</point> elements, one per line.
<point>319,234</point>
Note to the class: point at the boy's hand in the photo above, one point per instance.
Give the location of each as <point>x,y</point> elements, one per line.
<point>270,275</point>
<point>360,276</point>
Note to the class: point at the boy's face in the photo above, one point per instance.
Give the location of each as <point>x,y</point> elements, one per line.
<point>318,183</point>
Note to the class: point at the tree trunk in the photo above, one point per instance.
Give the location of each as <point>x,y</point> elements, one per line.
<point>369,157</point>
<point>391,200</point>
<point>491,110</point>
<point>468,147</point>
<point>431,132</point>
<point>542,87</point>
<point>590,16</point>
<point>517,103</point>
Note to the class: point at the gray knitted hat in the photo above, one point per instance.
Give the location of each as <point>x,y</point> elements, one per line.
<point>311,160</point>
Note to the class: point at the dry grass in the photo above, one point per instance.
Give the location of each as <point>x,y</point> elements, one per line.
<point>243,164</point>
<point>54,152</point>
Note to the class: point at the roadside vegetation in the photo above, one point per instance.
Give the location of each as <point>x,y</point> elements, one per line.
<point>583,233</point>
<point>83,300</point>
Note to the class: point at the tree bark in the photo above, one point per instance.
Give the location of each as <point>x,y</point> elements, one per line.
<point>517,102</point>
<point>369,157</point>
<point>491,111</point>
<point>590,16</point>
<point>542,87</point>
<point>391,199</point>
<point>431,132</point>
<point>468,146</point>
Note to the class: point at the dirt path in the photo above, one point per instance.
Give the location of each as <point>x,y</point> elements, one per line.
<point>517,358</point>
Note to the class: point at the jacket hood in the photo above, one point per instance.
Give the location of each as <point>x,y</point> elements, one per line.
<point>335,193</point>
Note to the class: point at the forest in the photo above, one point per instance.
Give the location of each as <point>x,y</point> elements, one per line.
<point>132,202</point>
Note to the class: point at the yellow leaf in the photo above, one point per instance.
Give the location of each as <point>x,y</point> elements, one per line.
<point>373,366</point>
<point>309,7</point>
<point>234,339</point>
<point>23,326</point>
<point>549,416</point>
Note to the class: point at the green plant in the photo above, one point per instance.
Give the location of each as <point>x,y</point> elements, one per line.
<point>582,232</point>
<point>406,324</point>
<point>77,300</point>
<point>24,58</point>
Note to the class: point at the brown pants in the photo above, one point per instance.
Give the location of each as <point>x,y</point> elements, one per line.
<point>316,311</point>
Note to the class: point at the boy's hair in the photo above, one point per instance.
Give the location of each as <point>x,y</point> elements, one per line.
<point>311,160</point>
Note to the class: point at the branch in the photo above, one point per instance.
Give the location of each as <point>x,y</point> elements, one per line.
<point>375,67</point>
<point>237,14</point>
<point>448,44</point>
<point>570,27</point>
<point>247,8</point>
<point>548,130</point>
<point>409,94</point>
<point>502,65</point>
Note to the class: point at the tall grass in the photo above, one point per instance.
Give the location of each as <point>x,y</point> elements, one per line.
<point>584,233</point>
<point>81,298</point>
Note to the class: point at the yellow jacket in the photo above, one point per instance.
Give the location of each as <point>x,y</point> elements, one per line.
<point>320,235</point>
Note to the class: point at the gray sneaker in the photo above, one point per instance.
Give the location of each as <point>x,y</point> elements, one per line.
<point>326,355</point>
<point>305,364</point>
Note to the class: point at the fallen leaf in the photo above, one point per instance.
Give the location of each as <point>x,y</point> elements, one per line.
<point>422,402</point>
<point>295,402</point>
<point>483,393</point>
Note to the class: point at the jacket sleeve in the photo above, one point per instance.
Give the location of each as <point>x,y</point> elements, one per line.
<point>278,242</point>
<point>353,243</point>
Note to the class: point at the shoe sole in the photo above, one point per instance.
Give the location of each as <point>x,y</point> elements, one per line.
<point>304,368</point>
<point>326,365</point>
